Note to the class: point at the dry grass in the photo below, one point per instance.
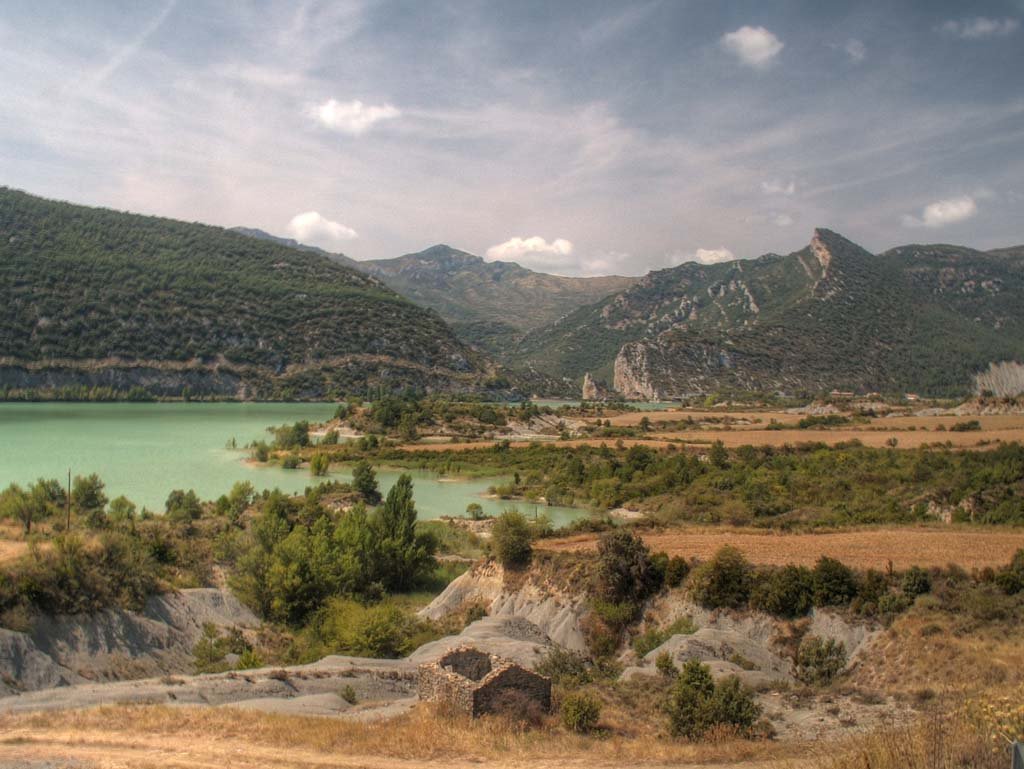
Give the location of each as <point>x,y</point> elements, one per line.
<point>248,738</point>
<point>860,548</point>
<point>934,741</point>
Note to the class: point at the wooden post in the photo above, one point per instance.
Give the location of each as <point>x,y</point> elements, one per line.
<point>68,527</point>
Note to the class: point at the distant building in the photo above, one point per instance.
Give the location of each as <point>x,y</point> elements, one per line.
<point>842,394</point>
<point>911,397</point>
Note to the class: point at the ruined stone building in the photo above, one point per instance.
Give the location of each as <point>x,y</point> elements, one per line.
<point>474,682</point>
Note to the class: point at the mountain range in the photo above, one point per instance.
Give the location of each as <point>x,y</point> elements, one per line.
<point>926,318</point>
<point>92,297</point>
<point>489,304</point>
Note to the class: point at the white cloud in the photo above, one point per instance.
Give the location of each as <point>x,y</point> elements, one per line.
<point>535,253</point>
<point>775,187</point>
<point>754,46</point>
<point>943,212</point>
<point>707,256</point>
<point>313,229</point>
<point>980,27</point>
<point>855,49</point>
<point>352,117</point>
<point>782,220</point>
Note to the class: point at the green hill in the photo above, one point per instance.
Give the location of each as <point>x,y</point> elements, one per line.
<point>832,315</point>
<point>93,297</point>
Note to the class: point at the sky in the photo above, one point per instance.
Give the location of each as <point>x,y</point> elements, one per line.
<point>578,138</point>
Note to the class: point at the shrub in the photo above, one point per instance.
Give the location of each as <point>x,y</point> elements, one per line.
<point>970,425</point>
<point>647,642</point>
<point>724,581</point>
<point>564,667</point>
<point>915,582</point>
<point>676,571</point>
<point>511,538</point>
<point>318,464</point>
<point>625,570</point>
<point>787,592</point>
<point>834,583</point>
<point>580,713</point>
<point>819,660</point>
<point>384,630</point>
<point>696,703</point>
<point>665,666</point>
<point>1011,579</point>
<point>364,480</point>
<point>291,461</point>
<point>349,694</point>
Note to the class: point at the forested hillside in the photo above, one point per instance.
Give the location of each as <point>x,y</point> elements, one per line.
<point>97,297</point>
<point>831,315</point>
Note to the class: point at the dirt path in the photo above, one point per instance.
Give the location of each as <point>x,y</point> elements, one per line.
<point>863,549</point>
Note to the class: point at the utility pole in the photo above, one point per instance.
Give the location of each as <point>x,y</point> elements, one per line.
<point>68,527</point>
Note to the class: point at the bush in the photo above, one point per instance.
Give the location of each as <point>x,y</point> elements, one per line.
<point>647,642</point>
<point>318,464</point>
<point>696,703</point>
<point>834,583</point>
<point>349,694</point>
<point>665,666</point>
<point>819,661</point>
<point>291,461</point>
<point>970,425</point>
<point>676,571</point>
<point>580,713</point>
<point>724,581</point>
<point>1011,579</point>
<point>565,667</point>
<point>625,570</point>
<point>915,582</point>
<point>787,592</point>
<point>511,539</point>
<point>384,630</point>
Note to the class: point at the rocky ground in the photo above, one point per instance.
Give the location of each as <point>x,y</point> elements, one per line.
<point>68,663</point>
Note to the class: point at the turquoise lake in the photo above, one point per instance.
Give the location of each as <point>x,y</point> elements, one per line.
<point>145,450</point>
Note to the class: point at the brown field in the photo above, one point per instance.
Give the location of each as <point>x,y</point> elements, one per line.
<point>875,437</point>
<point>862,549</point>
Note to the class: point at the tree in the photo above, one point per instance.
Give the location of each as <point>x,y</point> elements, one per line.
<point>364,480</point>
<point>718,455</point>
<point>16,503</point>
<point>318,464</point>
<point>88,498</point>
<point>404,555</point>
<point>724,581</point>
<point>511,537</point>
<point>122,509</point>
<point>183,506</point>
<point>625,568</point>
<point>475,511</point>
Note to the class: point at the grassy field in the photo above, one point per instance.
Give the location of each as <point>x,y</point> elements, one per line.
<point>872,548</point>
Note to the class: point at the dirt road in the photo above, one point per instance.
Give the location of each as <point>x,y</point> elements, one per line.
<point>862,549</point>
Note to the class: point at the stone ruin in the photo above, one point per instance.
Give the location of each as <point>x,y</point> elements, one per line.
<point>470,681</point>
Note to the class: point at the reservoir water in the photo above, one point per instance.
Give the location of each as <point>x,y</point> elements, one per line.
<point>145,450</point>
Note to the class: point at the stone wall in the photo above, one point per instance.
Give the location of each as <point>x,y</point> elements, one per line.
<point>469,681</point>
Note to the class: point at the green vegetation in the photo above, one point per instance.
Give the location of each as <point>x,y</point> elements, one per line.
<point>511,538</point>
<point>581,712</point>
<point>774,487</point>
<point>724,581</point>
<point>697,704</point>
<point>87,284</point>
<point>819,661</point>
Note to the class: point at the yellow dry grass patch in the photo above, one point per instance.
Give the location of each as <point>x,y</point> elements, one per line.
<point>860,548</point>
<point>207,736</point>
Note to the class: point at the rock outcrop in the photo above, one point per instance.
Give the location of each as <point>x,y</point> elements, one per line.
<point>1004,379</point>
<point>115,643</point>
